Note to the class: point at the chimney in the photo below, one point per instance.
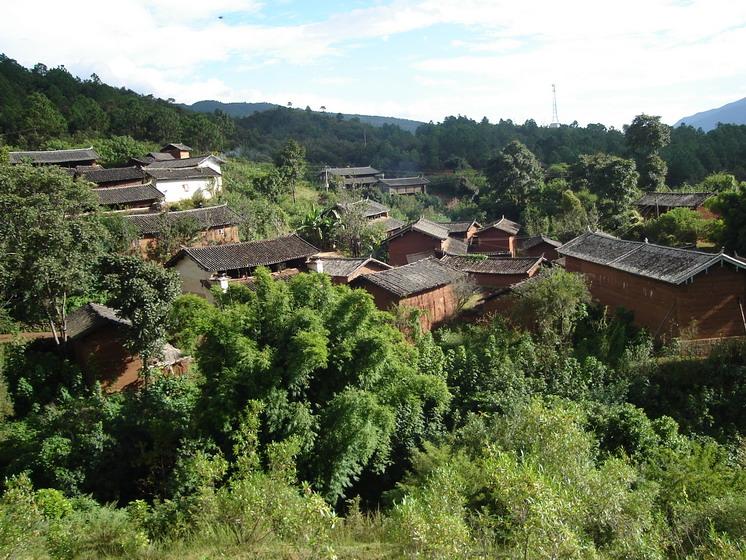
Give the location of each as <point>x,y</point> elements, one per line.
<point>318,265</point>
<point>223,279</point>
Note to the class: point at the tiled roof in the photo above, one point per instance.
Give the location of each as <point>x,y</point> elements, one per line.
<point>492,265</point>
<point>176,163</point>
<point>340,266</point>
<point>109,196</point>
<point>182,147</point>
<point>410,279</point>
<point>657,262</point>
<point>674,200</point>
<point>55,156</point>
<point>537,240</point>
<point>390,224</point>
<point>459,227</point>
<point>92,316</point>
<point>368,208</point>
<point>236,256</point>
<point>162,174</point>
<point>404,181</point>
<point>433,229</point>
<point>350,171</point>
<point>453,246</point>
<point>207,218</point>
<point>101,175</point>
<point>503,224</point>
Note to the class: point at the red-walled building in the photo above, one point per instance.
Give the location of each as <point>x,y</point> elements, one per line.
<point>539,246</point>
<point>495,272</point>
<point>672,292</point>
<point>344,270</point>
<point>421,240</point>
<point>496,238</point>
<point>653,204</point>
<point>426,284</point>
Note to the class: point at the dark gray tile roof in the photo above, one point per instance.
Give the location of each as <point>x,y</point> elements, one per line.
<point>530,242</point>
<point>492,265</point>
<point>428,227</point>
<point>55,156</point>
<point>110,196</point>
<point>162,174</point>
<point>404,181</point>
<point>340,266</point>
<point>236,256</point>
<point>368,208</point>
<point>503,224</point>
<point>410,279</point>
<point>90,317</point>
<point>458,227</point>
<point>176,163</point>
<point>350,171</point>
<point>674,200</point>
<point>207,218</point>
<point>101,175</point>
<point>390,224</point>
<point>453,246</point>
<point>182,147</point>
<point>657,262</point>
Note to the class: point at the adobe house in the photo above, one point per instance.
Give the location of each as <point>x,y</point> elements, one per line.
<point>653,204</point>
<point>98,336</point>
<point>374,212</point>
<point>672,292</point>
<point>349,177</point>
<point>111,177</point>
<point>178,151</point>
<point>426,284</point>
<point>217,225</point>
<point>404,185</point>
<point>495,272</point>
<point>538,246</point>
<point>461,230</point>
<point>62,158</point>
<point>344,270</point>
<point>130,197</point>
<point>421,240</point>
<point>499,237</point>
<point>201,267</point>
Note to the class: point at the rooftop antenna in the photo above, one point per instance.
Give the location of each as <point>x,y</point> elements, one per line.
<point>555,118</point>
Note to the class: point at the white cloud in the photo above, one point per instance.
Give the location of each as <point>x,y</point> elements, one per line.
<point>610,60</point>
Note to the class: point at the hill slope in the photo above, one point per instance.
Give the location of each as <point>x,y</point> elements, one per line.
<point>242,109</point>
<point>732,113</point>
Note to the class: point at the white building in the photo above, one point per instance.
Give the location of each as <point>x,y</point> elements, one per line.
<point>185,178</point>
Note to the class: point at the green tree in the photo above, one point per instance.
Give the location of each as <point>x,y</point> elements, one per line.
<point>41,120</point>
<point>514,176</point>
<point>291,163</point>
<point>677,227</point>
<point>646,136</point>
<point>141,292</point>
<point>731,206</point>
<point>50,240</point>
<point>87,116</point>
<point>614,181</point>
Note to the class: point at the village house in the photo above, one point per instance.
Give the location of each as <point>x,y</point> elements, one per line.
<point>461,230</point>
<point>497,238</point>
<point>62,158</point>
<point>344,270</point>
<point>538,246</point>
<point>495,272</point>
<point>130,197</point>
<point>166,153</point>
<point>653,204</point>
<point>98,337</point>
<point>403,185</point>
<point>202,267</point>
<point>672,292</point>
<point>374,212</point>
<point>112,176</point>
<point>216,225</point>
<point>427,284</point>
<point>349,177</point>
<point>421,240</point>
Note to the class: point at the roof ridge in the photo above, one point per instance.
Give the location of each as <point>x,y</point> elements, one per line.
<point>49,151</point>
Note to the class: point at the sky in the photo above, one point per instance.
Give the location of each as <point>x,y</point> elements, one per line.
<point>424,60</point>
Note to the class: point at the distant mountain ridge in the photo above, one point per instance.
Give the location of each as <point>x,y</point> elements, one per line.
<point>244,109</point>
<point>732,113</point>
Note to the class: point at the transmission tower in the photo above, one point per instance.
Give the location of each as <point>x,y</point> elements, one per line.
<point>555,118</point>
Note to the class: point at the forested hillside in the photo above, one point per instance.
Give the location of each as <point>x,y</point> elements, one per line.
<point>45,107</point>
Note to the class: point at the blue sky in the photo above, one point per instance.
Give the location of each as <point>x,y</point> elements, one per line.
<point>420,59</point>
